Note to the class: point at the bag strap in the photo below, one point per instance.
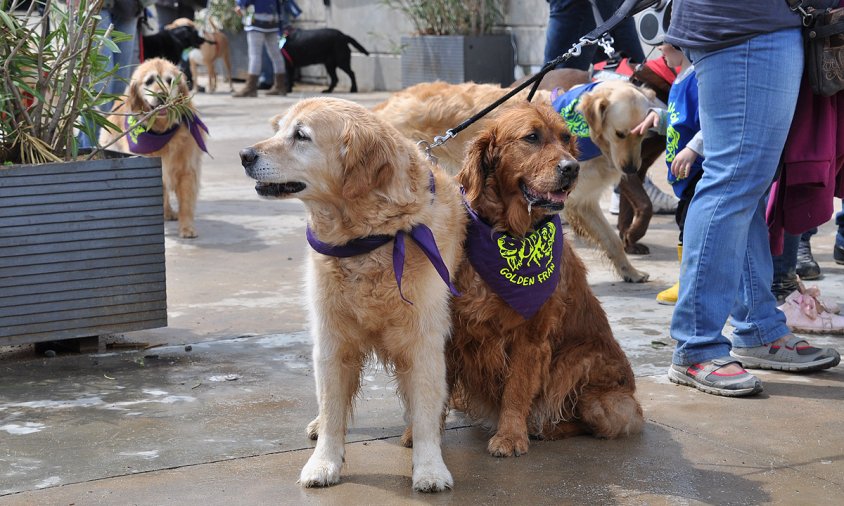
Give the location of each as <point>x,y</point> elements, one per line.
<point>826,31</point>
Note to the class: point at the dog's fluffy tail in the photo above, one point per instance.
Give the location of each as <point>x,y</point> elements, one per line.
<point>357,45</point>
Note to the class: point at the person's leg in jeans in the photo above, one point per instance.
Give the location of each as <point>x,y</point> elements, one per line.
<point>838,251</point>
<point>745,116</point>
<point>265,81</point>
<point>126,60</point>
<point>568,21</point>
<point>785,268</point>
<point>807,268</point>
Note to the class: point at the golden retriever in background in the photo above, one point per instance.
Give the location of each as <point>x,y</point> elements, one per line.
<point>358,177</point>
<point>558,372</point>
<point>181,157</point>
<point>612,109</point>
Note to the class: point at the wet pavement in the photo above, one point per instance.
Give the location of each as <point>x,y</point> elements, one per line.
<point>212,409</point>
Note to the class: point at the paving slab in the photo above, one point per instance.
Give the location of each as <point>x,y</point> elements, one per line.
<point>212,408</point>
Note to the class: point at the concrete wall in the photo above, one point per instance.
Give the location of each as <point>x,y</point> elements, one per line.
<point>379,29</point>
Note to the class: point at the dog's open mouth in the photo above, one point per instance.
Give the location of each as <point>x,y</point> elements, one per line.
<point>553,200</point>
<point>278,189</point>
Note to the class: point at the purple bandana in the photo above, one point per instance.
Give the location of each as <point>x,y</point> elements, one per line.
<point>142,141</point>
<point>523,272</point>
<point>420,234</point>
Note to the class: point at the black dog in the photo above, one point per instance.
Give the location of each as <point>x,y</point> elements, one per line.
<point>325,46</point>
<point>170,44</point>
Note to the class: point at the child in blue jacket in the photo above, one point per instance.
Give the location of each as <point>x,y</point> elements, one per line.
<point>684,146</point>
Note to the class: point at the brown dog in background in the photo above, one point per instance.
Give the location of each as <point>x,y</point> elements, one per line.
<point>217,48</point>
<point>181,157</point>
<point>560,372</point>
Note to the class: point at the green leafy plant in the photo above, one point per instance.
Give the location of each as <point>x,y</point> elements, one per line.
<point>451,17</point>
<point>220,15</point>
<point>53,71</point>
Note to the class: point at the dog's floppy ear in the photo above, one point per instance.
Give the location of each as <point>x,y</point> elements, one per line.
<point>135,95</point>
<point>648,92</point>
<point>594,107</point>
<point>480,162</point>
<point>274,122</point>
<point>367,157</point>
<point>184,91</point>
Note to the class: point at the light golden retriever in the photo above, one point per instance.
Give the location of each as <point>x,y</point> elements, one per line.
<point>208,53</point>
<point>358,177</point>
<point>612,109</point>
<point>550,370</point>
<point>181,156</point>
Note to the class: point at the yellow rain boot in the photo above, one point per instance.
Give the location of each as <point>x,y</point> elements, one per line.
<point>669,296</point>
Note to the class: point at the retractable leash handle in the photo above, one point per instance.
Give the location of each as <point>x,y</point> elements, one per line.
<point>627,9</point>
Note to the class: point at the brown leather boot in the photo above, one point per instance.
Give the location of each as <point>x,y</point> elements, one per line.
<point>251,88</point>
<point>279,86</point>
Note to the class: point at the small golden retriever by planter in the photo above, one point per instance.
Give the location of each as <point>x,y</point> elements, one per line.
<point>179,141</point>
<point>386,228</point>
<point>532,352</point>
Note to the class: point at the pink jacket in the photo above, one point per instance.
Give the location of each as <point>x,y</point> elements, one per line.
<point>813,159</point>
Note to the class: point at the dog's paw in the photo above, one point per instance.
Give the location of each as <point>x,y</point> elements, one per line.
<point>313,429</point>
<point>636,248</point>
<point>407,438</point>
<point>508,445</point>
<point>432,477</point>
<point>633,276</point>
<point>187,232</point>
<point>170,216</point>
<point>320,473</point>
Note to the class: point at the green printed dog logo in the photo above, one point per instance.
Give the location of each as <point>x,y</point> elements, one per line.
<point>672,136</point>
<point>575,121</point>
<point>534,250</point>
<point>136,128</point>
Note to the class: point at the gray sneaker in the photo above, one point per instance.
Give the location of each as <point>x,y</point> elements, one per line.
<point>793,357</point>
<point>706,378</point>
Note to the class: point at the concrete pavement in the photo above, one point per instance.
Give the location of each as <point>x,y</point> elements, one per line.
<point>212,409</point>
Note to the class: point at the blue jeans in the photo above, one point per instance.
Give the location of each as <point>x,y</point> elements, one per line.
<point>747,97</point>
<point>569,20</point>
<point>125,61</point>
<point>839,220</point>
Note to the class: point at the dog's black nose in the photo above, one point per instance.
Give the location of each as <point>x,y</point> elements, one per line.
<point>248,157</point>
<point>568,168</point>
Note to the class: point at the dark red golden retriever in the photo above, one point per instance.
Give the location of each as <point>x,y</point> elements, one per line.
<point>542,362</point>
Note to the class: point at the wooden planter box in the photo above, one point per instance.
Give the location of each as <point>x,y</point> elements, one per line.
<point>457,59</point>
<point>81,249</point>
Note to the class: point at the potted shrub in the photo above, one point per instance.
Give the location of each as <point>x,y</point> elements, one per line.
<point>81,233</point>
<point>455,42</point>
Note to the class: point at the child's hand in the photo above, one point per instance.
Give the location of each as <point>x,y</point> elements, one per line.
<point>682,163</point>
<point>238,10</point>
<point>651,121</point>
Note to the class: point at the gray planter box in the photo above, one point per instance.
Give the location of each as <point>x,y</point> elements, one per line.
<point>457,59</point>
<point>81,249</point>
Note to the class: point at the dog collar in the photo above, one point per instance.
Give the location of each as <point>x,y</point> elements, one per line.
<point>420,234</point>
<point>142,141</point>
<point>566,104</point>
<point>524,272</point>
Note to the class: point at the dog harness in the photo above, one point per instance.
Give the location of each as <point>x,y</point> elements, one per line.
<point>142,141</point>
<point>566,104</point>
<point>420,233</point>
<point>524,272</point>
